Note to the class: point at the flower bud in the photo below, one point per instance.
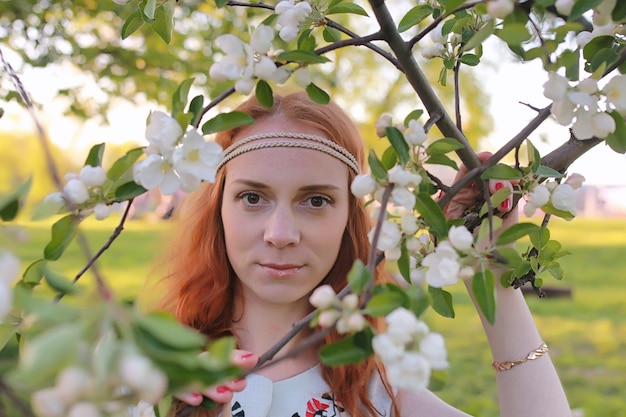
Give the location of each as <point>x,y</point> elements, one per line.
<point>575,181</point>
<point>467,272</point>
<point>327,318</point>
<point>101,211</point>
<point>409,225</point>
<point>6,299</point>
<point>76,191</point>
<point>303,77</point>
<point>415,134</point>
<point>134,370</point>
<point>500,8</point>
<point>393,254</point>
<point>72,383</point>
<point>323,297</point>
<point>92,176</point>
<point>403,198</point>
<point>350,302</point>
<point>46,403</point>
<point>382,124</point>
<point>404,178</point>
<point>413,244</point>
<point>54,201</point>
<point>154,387</point>
<point>529,209</point>
<point>84,409</point>
<point>9,267</point>
<point>564,198</point>
<point>460,238</point>
<point>539,196</point>
<point>362,185</point>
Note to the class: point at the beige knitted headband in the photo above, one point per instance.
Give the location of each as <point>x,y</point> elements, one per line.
<point>290,140</point>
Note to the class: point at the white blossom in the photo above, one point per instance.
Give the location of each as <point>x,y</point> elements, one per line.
<point>55,201</point>
<point>588,85</point>
<point>162,133</point>
<point>460,238</point>
<point>412,372</point>
<point>500,8</point>
<point>415,134</point>
<point>564,7</point>
<point>583,38</point>
<point>389,236</point>
<point>261,39</point>
<point>387,348</point>
<point>92,176</point>
<point>417,277</point>
<point>76,191</point>
<point>155,171</point>
<point>101,211</point>
<point>9,267</point>
<point>529,209</point>
<point>84,409</point>
<point>539,196</point>
<point>602,13</point>
<point>467,272</point>
<point>563,198</point>
<point>154,387</point>
<point>408,222</point>
<point>350,302</point>
<point>556,87</point>
<point>413,244</point>
<point>393,254</point>
<point>575,180</point>
<point>403,198</point>
<point>6,299</point>
<point>432,346</point>
<point>403,326</point>
<point>46,403</point>
<point>602,124</point>
<point>72,383</point>
<point>197,157</point>
<point>290,16</point>
<point>403,178</point>
<point>353,323</point>
<point>615,91</point>
<point>323,297</point>
<point>381,125</point>
<point>327,318</point>
<point>443,266</point>
<point>433,51</point>
<point>303,77</point>
<point>362,185</point>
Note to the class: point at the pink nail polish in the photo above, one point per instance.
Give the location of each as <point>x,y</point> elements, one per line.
<point>247,355</point>
<point>196,395</point>
<point>505,205</point>
<point>221,390</point>
<point>498,185</point>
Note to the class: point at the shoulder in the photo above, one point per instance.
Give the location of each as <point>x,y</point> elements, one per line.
<point>424,404</point>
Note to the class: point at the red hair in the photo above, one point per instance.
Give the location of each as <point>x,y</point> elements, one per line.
<point>202,286</point>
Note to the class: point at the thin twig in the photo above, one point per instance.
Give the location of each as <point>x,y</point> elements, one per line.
<point>20,406</point>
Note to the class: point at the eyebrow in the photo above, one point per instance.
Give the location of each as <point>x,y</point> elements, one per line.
<point>312,187</point>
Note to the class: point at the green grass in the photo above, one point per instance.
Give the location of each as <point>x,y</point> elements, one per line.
<point>586,333</point>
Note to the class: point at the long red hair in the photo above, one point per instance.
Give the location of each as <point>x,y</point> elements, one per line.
<point>202,286</point>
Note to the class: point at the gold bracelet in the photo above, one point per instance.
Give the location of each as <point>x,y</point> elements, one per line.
<point>537,353</point>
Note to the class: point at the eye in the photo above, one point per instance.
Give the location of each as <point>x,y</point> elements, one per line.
<point>318,201</point>
<point>250,199</point>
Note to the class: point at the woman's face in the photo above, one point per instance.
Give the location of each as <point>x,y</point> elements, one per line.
<point>284,213</point>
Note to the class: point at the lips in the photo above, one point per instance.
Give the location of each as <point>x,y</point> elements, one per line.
<point>281,270</point>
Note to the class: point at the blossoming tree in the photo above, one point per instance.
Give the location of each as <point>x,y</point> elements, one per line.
<point>98,361</point>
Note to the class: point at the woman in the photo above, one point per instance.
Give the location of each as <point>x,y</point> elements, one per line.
<point>280,221</point>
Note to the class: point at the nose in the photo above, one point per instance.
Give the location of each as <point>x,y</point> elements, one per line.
<point>281,228</point>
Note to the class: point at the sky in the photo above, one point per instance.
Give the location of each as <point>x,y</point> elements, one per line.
<point>509,84</point>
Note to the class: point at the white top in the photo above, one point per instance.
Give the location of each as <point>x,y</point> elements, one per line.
<point>302,395</point>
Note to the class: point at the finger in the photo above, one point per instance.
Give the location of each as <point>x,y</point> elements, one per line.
<point>482,157</point>
<point>243,358</point>
<point>191,398</point>
<point>507,204</point>
<point>237,385</point>
<point>220,394</point>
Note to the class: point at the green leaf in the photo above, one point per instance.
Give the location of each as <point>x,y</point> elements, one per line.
<point>441,159</point>
<point>220,3</point>
<point>306,41</point>
<point>389,159</point>
<point>221,349</point>
<point>148,10</point>
<point>164,21</point>
<point>264,94</point>
<point>443,146</point>
<point>418,301</point>
<point>617,139</point>
<point>483,288</point>
<point>166,329</point>
<point>501,172</point>
<point>469,59</point>
<point>58,282</point>
<point>94,158</point>
<point>132,24</point>
<point>195,107</point>
<point>556,271</point>
<point>516,232</point>
<point>7,331</point>
<point>441,301</point>
<point>34,272</point>
<point>10,204</point>
<point>127,191</point>
<point>302,56</point>
<point>582,6</point>
<point>317,94</point>
<point>547,172</point>
<point>404,263</point>
<point>479,37</point>
<point>179,99</point>
<point>414,17</point>
<point>384,303</point>
<point>377,168</point>
<point>398,143</point>
<point>451,5</point>
<point>432,214</point>
<point>358,277</point>
<point>514,33</point>
<point>331,34</point>
<point>63,231</point>
<point>602,59</point>
<point>346,8</point>
<point>124,164</point>
<point>539,237</point>
<point>227,121</point>
<point>350,350</point>
<point>619,12</point>
<point>414,115</point>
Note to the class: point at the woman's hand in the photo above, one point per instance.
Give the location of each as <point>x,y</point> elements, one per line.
<point>469,195</point>
<point>223,394</point>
